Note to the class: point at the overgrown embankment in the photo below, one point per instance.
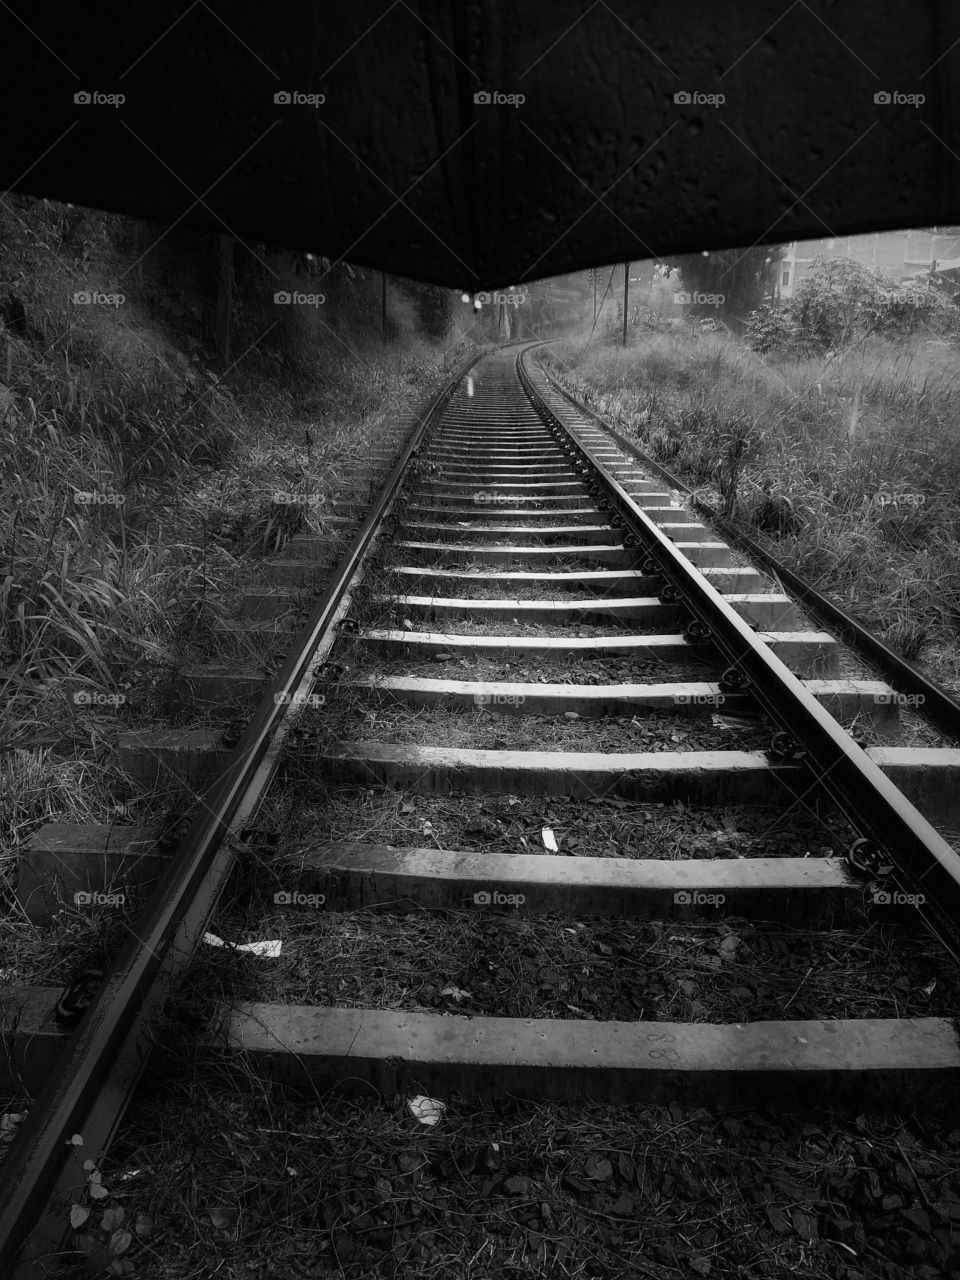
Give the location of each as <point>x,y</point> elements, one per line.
<point>835,443</point>
<point>139,476</point>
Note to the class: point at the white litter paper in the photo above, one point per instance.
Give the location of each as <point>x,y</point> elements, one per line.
<point>427,1110</point>
<point>549,840</point>
<point>270,949</point>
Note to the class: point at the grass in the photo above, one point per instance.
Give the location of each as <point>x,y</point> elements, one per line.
<point>244,1181</point>
<point>862,442</point>
<point>141,493</point>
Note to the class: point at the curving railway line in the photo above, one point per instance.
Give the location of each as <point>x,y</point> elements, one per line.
<point>520,593</point>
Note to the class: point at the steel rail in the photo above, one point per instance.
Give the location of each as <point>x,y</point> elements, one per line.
<point>41,1172</point>
<point>938,705</point>
<point>842,768</point>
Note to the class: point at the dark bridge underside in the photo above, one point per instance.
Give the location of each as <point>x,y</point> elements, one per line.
<point>402,170</point>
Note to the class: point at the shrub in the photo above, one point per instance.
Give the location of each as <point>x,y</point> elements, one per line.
<point>841,301</point>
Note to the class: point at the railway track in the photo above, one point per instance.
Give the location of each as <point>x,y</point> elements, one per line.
<point>527,617</point>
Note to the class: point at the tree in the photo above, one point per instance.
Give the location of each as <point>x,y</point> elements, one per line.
<point>434,305</point>
<point>741,278</point>
<point>841,300</point>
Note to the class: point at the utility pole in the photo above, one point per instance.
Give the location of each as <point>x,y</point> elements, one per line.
<point>626,294</point>
<point>224,311</point>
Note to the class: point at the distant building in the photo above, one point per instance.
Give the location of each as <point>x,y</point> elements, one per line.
<point>895,253</point>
